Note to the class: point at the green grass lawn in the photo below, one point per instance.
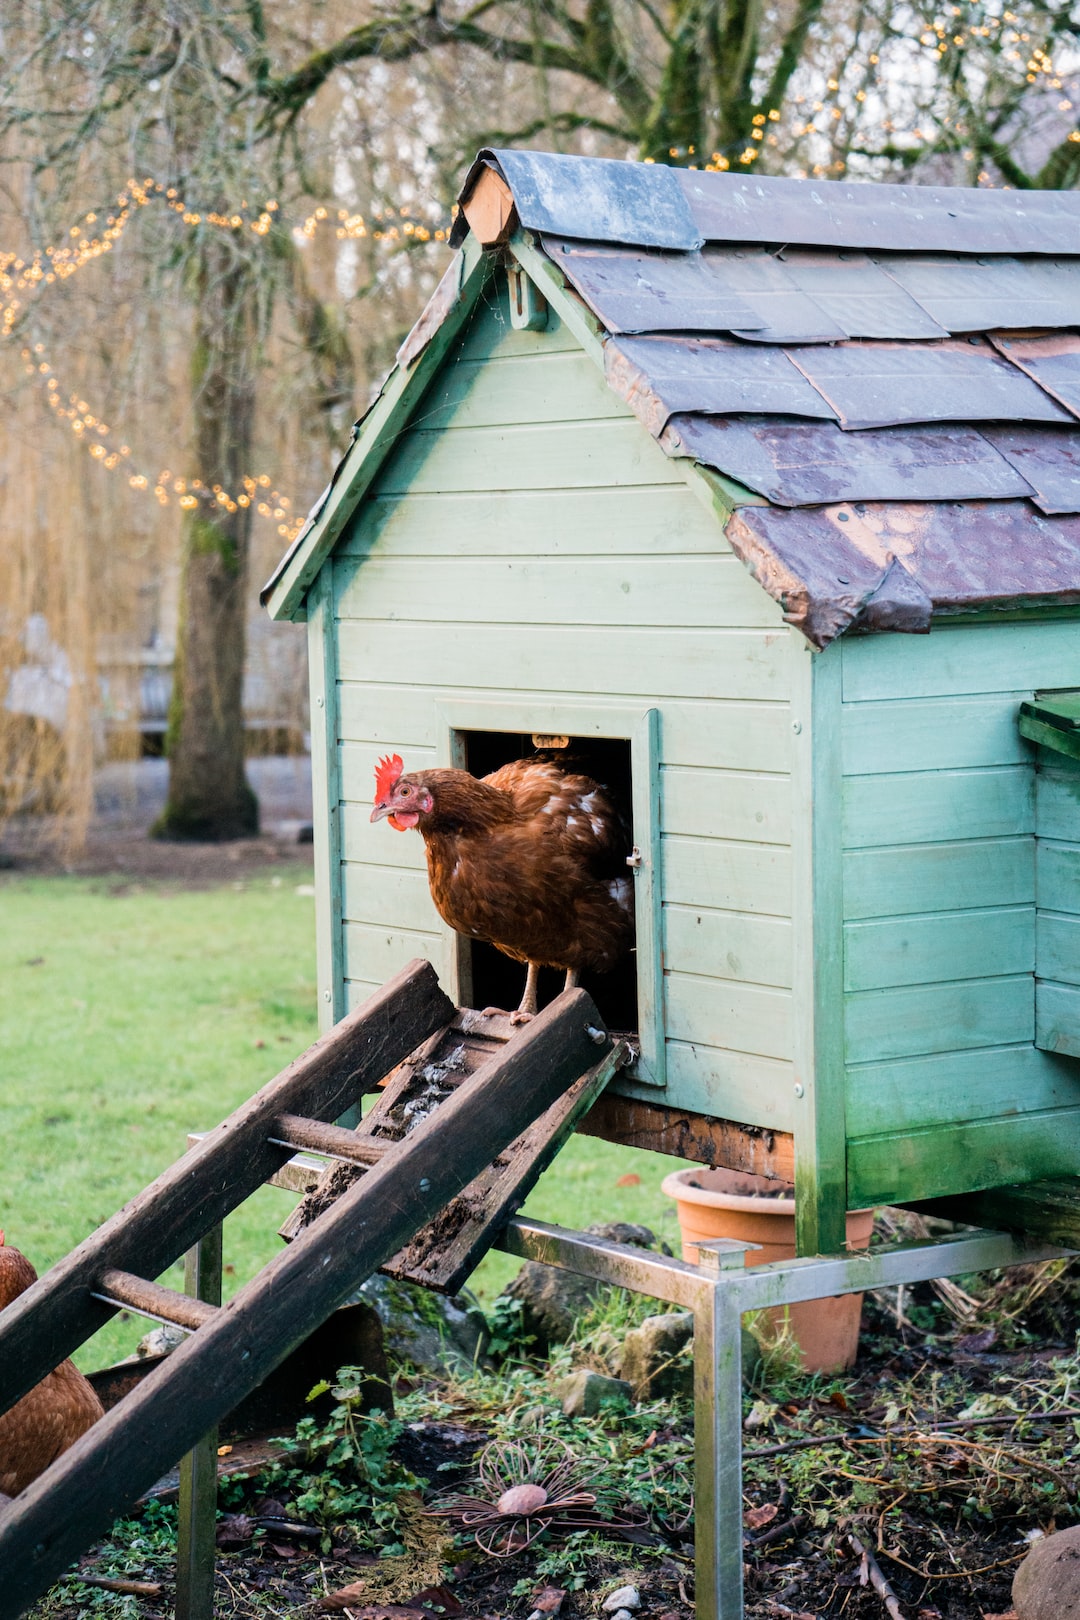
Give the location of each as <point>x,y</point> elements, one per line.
<point>135,1012</point>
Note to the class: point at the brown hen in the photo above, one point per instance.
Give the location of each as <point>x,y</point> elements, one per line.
<point>531,859</point>
<point>51,1416</point>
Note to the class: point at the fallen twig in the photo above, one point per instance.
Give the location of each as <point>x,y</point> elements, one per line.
<point>874,1575</point>
<point>109,1583</point>
<point>952,1574</point>
<point>775,1532</point>
<point>289,1527</point>
<point>1007,1420</point>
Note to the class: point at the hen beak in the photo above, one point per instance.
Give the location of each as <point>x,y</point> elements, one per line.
<point>381,811</point>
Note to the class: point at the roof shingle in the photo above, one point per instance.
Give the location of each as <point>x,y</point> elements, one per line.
<point>895,369</point>
<point>909,349</point>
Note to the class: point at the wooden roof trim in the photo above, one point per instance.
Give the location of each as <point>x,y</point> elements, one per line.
<point>489,209</point>
<point>378,432</point>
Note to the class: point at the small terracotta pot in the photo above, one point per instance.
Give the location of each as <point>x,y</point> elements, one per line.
<point>728,1204</point>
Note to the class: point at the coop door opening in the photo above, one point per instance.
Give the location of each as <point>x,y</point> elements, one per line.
<point>494,980</point>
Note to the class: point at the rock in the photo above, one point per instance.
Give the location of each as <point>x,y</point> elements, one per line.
<point>625,1599</point>
<point>426,1328</point>
<point>751,1356</point>
<point>650,1358</point>
<point>584,1392</point>
<point>161,1341</point>
<point>1047,1584</point>
<point>622,1614</point>
<point>553,1299</point>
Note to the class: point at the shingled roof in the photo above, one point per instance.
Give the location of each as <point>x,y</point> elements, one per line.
<point>894,369</point>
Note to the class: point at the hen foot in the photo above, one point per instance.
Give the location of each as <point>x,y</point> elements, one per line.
<point>521,1016</point>
<point>526,1011</point>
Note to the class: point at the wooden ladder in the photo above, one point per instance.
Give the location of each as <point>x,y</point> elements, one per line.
<point>402,1185</point>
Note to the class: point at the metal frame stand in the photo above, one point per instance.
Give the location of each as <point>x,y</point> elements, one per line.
<point>718,1292</point>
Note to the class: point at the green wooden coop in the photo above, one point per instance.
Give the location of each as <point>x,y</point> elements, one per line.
<point>768,492</point>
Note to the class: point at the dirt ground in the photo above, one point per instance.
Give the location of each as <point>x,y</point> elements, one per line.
<point>910,1488</point>
<point>128,798</point>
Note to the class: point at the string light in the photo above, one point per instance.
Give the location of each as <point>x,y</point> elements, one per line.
<point>93,236</point>
<point>48,265</point>
<point>101,444</point>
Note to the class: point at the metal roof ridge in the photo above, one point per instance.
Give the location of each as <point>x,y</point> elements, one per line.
<point>655,205</point>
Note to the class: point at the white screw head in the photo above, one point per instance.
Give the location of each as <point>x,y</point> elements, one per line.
<point>326,995</point>
<point>799,1088</point>
<point>796,726</point>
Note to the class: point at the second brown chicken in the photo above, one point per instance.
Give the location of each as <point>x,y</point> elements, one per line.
<point>50,1417</point>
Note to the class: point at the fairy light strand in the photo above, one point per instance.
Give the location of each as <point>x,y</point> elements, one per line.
<point>96,235</point>
<point>103,446</point>
<point>58,262</point>
<point>49,265</point>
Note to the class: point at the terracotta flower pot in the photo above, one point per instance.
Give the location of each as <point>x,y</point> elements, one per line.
<point>725,1203</point>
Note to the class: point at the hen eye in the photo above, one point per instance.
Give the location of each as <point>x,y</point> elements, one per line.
<point>405,790</point>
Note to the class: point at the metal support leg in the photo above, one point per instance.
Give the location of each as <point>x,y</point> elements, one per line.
<point>196,1530</point>
<point>718,1549</point>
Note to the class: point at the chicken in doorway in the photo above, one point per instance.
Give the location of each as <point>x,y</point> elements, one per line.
<point>531,859</point>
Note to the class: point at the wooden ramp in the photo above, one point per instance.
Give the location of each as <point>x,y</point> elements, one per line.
<point>481,1129</point>
<point>446,1251</point>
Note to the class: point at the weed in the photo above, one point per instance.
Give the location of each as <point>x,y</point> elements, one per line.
<point>506,1329</point>
<point>344,1470</point>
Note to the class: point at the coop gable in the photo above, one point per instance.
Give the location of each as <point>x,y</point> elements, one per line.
<point>527,560</point>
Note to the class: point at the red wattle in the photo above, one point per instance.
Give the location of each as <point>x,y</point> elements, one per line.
<point>404,819</point>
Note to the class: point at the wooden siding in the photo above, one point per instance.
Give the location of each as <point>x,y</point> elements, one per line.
<point>1057,892</point>
<point>945,1088</point>
<point>526,541</point>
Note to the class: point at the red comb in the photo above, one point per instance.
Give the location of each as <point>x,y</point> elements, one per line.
<point>387,772</point>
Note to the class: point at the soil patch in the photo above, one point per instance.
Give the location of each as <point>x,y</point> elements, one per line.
<point>931,1467</point>
<point>132,855</point>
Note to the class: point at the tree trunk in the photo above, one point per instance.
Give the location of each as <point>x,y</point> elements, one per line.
<point>209,796</point>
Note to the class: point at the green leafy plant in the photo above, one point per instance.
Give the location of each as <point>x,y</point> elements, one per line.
<point>506,1330</point>
<point>344,1470</point>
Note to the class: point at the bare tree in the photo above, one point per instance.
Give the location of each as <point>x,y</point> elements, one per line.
<point>980,95</point>
<point>237,107</point>
<point>101,90</point>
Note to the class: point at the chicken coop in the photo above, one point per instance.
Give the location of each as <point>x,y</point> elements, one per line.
<point>764,495</point>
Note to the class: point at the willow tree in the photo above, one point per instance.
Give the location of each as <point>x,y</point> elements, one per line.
<point>97,97</point>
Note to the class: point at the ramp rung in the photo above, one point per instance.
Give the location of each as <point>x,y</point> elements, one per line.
<point>312,1136</point>
<point>151,1299</point>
